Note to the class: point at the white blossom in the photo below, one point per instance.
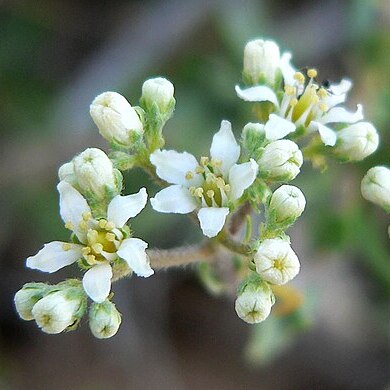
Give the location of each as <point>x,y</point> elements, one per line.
<point>276,262</point>
<point>158,91</point>
<point>104,319</point>
<point>210,187</point>
<point>101,241</point>
<point>356,142</point>
<point>375,186</point>
<point>115,118</point>
<point>281,160</point>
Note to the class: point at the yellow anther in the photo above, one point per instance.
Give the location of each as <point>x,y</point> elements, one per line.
<point>293,102</point>
<point>97,248</point>
<point>66,246</point>
<point>69,226</point>
<point>315,99</point>
<point>86,250</point>
<point>210,193</point>
<point>92,235</point>
<point>110,237</point>
<point>227,188</point>
<point>216,163</point>
<point>322,93</point>
<point>204,160</point>
<point>83,225</point>
<point>299,77</point>
<point>189,175</point>
<point>312,73</point>
<point>91,259</point>
<point>198,192</point>
<point>102,223</point>
<point>110,226</point>
<point>87,216</point>
<point>199,169</point>
<point>220,183</point>
<point>323,107</point>
<point>192,190</point>
<point>290,91</point>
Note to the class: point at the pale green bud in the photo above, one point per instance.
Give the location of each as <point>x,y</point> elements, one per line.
<point>276,262</point>
<point>261,61</point>
<point>356,142</point>
<point>116,119</point>
<point>375,186</point>
<point>280,161</point>
<point>158,91</point>
<point>27,297</point>
<point>66,172</point>
<point>253,136</point>
<point>286,205</point>
<point>95,175</point>
<point>104,319</point>
<point>255,300</point>
<point>59,309</point>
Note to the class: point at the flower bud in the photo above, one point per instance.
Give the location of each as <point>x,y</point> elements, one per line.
<point>281,161</point>
<point>104,319</point>
<point>357,141</point>
<point>158,91</point>
<point>286,205</point>
<point>95,174</point>
<point>27,297</point>
<point>276,262</point>
<point>66,172</point>
<point>376,186</point>
<point>261,61</point>
<point>253,136</point>
<point>115,118</point>
<point>254,302</point>
<point>59,309</point>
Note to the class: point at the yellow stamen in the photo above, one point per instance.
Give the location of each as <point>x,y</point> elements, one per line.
<point>189,175</point>
<point>323,107</point>
<point>110,237</point>
<point>87,216</point>
<point>86,250</point>
<point>97,248</point>
<point>322,93</point>
<point>102,223</point>
<point>83,225</point>
<point>66,246</point>
<point>293,102</point>
<point>199,169</point>
<point>312,73</point>
<point>204,161</point>
<point>227,188</point>
<point>290,91</point>
<point>69,226</point>
<point>216,163</point>
<point>110,226</point>
<point>192,190</point>
<point>299,77</point>
<point>210,193</point>
<point>220,182</point>
<point>199,192</point>
<point>91,259</point>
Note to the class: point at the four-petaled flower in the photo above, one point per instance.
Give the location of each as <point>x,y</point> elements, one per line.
<point>212,187</point>
<point>99,242</point>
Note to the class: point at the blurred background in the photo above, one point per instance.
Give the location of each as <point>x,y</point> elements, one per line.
<point>55,57</point>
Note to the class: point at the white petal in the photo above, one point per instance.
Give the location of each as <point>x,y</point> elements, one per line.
<point>72,207</point>
<point>121,208</point>
<point>260,93</point>
<point>55,255</point>
<point>212,220</point>
<point>277,127</point>
<point>287,69</point>
<point>341,88</point>
<point>174,199</point>
<point>224,147</point>
<point>172,167</point>
<point>334,100</point>
<point>97,282</point>
<point>241,176</point>
<point>340,114</point>
<point>132,250</point>
<point>328,136</point>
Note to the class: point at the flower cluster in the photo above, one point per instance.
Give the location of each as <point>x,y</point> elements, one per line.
<point>222,190</point>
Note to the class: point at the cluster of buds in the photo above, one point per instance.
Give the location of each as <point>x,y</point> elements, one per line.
<point>235,176</point>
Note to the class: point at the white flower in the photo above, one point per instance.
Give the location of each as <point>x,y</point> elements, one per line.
<point>95,173</point>
<point>115,118</point>
<point>254,303</point>
<point>27,297</point>
<point>305,103</point>
<point>376,186</point>
<point>356,142</point>
<point>261,61</point>
<point>101,241</point>
<point>286,205</point>
<point>211,186</point>
<point>104,319</point>
<point>276,262</point>
<point>158,91</point>
<point>281,160</point>
<point>57,311</point>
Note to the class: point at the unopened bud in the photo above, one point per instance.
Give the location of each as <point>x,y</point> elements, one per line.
<point>281,161</point>
<point>253,136</point>
<point>115,118</point>
<point>104,319</point>
<point>376,187</point>
<point>27,297</point>
<point>261,61</point>
<point>254,301</point>
<point>356,142</point>
<point>158,91</point>
<point>276,262</point>
<point>286,205</point>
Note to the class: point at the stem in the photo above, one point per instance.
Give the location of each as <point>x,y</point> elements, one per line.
<point>239,218</point>
<point>234,246</point>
